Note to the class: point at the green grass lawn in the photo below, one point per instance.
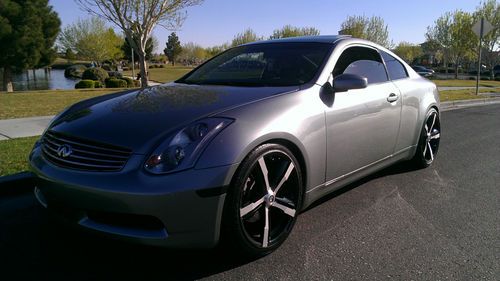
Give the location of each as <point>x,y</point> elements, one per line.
<point>163,75</point>
<point>465,94</point>
<point>465,83</point>
<point>41,103</point>
<point>14,155</point>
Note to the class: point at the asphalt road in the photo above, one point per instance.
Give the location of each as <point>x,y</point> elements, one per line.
<point>439,223</point>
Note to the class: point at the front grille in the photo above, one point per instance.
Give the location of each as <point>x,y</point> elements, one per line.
<point>80,154</point>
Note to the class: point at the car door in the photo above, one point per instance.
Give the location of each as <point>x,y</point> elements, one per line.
<point>362,125</point>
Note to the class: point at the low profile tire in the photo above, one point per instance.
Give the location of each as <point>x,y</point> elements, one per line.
<point>263,201</point>
<point>428,144</point>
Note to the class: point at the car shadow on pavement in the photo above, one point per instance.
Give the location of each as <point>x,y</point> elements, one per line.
<point>398,168</point>
<point>40,248</point>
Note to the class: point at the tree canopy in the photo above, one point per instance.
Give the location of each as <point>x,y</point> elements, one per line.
<point>293,31</point>
<point>193,54</point>
<point>138,18</point>
<point>490,11</point>
<point>246,37</point>
<point>91,39</point>
<point>151,45</point>
<point>373,29</point>
<point>173,48</point>
<point>407,51</point>
<point>28,29</point>
<point>454,36</point>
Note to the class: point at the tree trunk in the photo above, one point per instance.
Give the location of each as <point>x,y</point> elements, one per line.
<point>445,62</point>
<point>456,70</point>
<point>144,72</point>
<point>7,80</point>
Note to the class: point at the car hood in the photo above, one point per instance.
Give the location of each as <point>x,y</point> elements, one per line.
<point>141,119</point>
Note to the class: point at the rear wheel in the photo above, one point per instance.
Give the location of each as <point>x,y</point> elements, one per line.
<point>428,144</point>
<point>263,202</point>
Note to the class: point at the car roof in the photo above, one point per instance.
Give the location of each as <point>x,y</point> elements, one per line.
<point>301,39</point>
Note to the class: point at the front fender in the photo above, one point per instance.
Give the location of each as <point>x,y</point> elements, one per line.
<point>297,118</point>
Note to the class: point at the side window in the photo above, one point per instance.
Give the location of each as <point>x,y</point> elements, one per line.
<point>362,61</point>
<point>394,67</point>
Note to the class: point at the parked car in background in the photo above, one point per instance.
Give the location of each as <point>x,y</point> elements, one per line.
<point>239,146</point>
<point>426,72</point>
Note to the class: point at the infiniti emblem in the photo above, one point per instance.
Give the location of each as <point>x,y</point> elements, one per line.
<point>64,151</point>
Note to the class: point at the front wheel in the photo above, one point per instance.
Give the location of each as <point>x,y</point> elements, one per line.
<point>428,143</point>
<point>263,201</point>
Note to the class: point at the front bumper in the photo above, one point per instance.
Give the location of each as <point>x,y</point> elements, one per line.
<point>176,210</point>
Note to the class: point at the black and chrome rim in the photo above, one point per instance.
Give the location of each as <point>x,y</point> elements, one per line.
<point>269,199</point>
<point>432,132</point>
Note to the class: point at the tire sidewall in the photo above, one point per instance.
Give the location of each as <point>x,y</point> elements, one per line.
<point>419,157</point>
<point>233,229</point>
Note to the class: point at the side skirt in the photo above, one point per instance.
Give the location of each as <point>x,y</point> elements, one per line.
<point>319,191</point>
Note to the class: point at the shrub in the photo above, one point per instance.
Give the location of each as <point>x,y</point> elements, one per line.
<point>162,66</point>
<point>137,83</point>
<point>130,82</point>
<point>83,84</point>
<point>74,71</point>
<point>96,74</point>
<point>497,78</point>
<point>116,83</point>
<point>98,84</point>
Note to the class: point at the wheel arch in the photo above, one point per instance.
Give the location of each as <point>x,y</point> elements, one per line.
<point>284,139</point>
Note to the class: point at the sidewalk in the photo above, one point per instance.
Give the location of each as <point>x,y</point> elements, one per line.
<point>23,127</point>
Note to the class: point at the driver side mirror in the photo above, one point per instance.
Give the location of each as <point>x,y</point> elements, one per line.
<point>345,82</point>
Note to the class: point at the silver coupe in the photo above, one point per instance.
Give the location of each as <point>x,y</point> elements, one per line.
<point>235,149</point>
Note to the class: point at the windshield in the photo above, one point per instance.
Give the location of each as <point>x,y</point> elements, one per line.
<point>261,65</point>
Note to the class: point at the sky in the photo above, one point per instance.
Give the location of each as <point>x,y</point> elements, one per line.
<point>215,22</point>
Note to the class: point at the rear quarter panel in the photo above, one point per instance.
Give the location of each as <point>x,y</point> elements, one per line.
<point>419,95</point>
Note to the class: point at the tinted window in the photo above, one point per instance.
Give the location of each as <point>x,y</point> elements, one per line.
<point>361,61</point>
<point>271,64</point>
<point>395,68</point>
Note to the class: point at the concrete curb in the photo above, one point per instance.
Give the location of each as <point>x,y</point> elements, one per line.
<point>17,183</point>
<point>451,105</point>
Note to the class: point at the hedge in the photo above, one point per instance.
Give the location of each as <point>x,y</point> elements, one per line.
<point>96,74</point>
<point>84,84</point>
<point>116,83</point>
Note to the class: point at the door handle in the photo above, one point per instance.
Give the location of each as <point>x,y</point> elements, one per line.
<point>392,97</point>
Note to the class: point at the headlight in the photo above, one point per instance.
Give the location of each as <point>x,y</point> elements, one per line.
<point>182,150</point>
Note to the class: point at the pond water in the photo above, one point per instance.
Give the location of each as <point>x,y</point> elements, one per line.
<point>41,80</point>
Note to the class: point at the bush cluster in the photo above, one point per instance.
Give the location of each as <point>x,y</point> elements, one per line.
<point>74,71</point>
<point>100,78</point>
<point>95,74</point>
<point>116,83</point>
<point>84,84</point>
